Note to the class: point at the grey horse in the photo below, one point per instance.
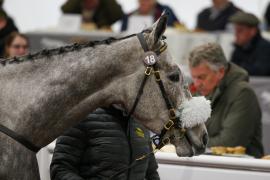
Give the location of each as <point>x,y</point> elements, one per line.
<point>45,93</point>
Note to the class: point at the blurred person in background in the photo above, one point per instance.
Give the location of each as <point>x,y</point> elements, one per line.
<point>236,114</point>
<point>100,13</point>
<point>216,17</point>
<point>151,8</point>
<point>16,44</point>
<point>102,145</point>
<point>251,50</point>
<point>6,27</point>
<point>267,17</point>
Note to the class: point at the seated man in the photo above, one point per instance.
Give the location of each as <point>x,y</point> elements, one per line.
<point>236,114</point>
<point>216,18</point>
<point>151,8</point>
<point>251,51</point>
<point>102,13</point>
<point>100,146</point>
<point>267,17</point>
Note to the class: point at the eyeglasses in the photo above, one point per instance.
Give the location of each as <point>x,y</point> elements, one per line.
<point>18,46</point>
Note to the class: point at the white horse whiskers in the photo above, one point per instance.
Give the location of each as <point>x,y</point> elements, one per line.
<point>195,111</point>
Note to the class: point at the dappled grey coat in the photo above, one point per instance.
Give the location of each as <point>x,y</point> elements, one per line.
<point>98,147</point>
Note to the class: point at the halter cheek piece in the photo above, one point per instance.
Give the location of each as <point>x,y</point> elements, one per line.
<point>151,62</point>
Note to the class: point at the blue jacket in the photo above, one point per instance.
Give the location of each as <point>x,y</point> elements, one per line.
<point>219,23</point>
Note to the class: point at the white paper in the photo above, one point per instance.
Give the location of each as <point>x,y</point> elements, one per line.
<point>137,23</point>
<point>70,22</point>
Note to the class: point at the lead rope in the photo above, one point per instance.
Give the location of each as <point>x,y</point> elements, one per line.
<point>133,163</point>
<point>173,120</point>
<point>148,72</point>
<point>20,139</point>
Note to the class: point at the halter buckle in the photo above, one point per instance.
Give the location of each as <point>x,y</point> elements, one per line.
<point>148,71</point>
<point>166,141</point>
<point>172,114</point>
<point>183,130</point>
<point>169,125</point>
<point>157,75</point>
<point>163,48</point>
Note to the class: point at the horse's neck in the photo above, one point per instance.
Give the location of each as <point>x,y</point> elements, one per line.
<point>55,92</point>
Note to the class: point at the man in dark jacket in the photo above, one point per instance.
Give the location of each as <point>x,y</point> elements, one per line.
<point>101,12</point>
<point>236,114</point>
<point>267,17</point>
<point>216,18</point>
<point>252,51</point>
<point>99,147</point>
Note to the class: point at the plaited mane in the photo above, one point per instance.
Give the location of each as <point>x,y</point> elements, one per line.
<point>60,50</point>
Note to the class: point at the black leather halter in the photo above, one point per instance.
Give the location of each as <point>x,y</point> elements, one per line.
<point>174,121</point>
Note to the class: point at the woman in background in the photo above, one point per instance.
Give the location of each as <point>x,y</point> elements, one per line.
<point>7,26</point>
<point>16,44</point>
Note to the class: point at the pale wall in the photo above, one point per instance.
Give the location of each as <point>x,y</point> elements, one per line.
<point>38,14</point>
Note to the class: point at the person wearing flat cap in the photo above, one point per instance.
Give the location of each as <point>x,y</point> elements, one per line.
<point>251,50</point>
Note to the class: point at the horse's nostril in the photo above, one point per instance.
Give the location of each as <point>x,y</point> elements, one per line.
<point>191,154</point>
<point>205,139</point>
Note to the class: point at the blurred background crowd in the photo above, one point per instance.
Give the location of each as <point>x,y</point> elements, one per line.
<point>47,13</point>
<point>238,28</point>
<point>204,17</point>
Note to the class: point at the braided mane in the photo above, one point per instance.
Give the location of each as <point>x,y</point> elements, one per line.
<point>60,50</point>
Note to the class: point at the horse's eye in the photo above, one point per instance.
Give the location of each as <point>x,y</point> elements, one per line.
<point>175,76</point>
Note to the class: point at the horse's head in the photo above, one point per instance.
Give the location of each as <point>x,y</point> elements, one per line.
<point>162,91</point>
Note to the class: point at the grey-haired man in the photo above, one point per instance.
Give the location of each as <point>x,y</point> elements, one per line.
<point>236,114</point>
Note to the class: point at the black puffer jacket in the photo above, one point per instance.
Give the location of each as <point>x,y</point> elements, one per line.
<point>98,147</point>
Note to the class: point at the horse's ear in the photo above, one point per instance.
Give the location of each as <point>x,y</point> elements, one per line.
<point>159,28</point>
